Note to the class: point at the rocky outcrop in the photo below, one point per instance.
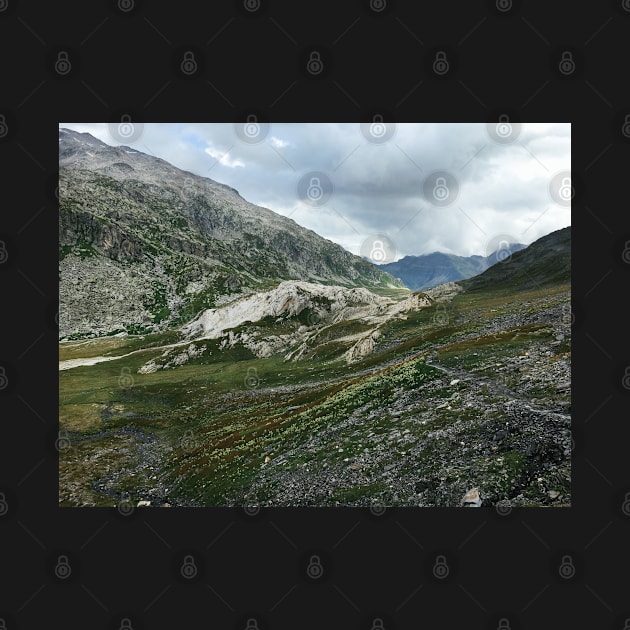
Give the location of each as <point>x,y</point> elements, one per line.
<point>289,299</point>
<point>296,318</point>
<point>363,347</point>
<point>172,358</point>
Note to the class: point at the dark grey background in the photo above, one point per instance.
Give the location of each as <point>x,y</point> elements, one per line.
<point>503,568</point>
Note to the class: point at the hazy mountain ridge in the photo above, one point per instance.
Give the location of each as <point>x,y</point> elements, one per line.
<point>430,270</point>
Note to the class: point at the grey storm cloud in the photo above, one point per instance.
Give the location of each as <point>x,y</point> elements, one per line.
<point>503,188</point>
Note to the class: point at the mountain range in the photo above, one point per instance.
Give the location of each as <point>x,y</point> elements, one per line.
<point>430,270</point>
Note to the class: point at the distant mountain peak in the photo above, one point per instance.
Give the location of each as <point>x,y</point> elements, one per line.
<point>430,270</point>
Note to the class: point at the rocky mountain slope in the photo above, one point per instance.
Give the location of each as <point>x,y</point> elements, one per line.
<point>144,246</point>
<point>546,262</point>
<point>430,270</point>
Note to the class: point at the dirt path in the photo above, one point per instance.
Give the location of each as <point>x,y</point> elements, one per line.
<point>493,387</point>
<point>72,363</point>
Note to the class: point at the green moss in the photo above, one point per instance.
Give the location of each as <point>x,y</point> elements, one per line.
<point>137,329</point>
<point>352,494</point>
<point>81,249</point>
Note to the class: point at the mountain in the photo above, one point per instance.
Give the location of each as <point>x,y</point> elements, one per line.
<point>144,246</point>
<point>546,262</point>
<point>431,270</point>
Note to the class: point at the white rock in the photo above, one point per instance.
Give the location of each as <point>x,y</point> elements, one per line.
<point>287,299</point>
<point>363,347</point>
<point>472,498</point>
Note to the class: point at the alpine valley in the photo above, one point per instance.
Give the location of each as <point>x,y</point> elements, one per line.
<point>215,353</point>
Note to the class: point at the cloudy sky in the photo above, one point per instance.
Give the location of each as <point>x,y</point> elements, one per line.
<point>418,188</point>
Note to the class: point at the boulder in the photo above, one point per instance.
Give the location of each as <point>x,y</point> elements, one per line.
<point>472,498</point>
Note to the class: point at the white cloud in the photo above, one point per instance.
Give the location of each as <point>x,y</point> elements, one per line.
<point>278,143</point>
<point>224,158</point>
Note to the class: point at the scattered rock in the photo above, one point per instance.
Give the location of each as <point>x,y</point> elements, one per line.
<point>472,498</point>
